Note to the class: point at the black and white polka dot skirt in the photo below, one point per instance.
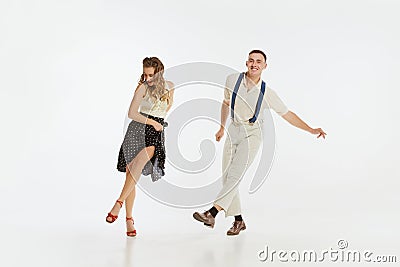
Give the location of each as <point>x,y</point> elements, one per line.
<point>139,136</point>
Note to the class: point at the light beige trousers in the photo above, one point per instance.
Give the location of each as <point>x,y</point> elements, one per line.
<point>241,146</point>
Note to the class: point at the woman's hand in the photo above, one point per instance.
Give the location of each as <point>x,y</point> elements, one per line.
<point>157,126</point>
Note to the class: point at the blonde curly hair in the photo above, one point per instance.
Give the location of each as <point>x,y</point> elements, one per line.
<point>156,91</point>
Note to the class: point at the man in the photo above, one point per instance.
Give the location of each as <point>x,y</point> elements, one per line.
<point>248,96</point>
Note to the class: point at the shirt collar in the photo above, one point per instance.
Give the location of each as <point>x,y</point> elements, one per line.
<point>245,79</point>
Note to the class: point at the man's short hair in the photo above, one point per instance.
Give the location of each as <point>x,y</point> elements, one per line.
<point>258,52</point>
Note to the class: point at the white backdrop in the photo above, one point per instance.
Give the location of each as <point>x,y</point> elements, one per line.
<point>69,69</point>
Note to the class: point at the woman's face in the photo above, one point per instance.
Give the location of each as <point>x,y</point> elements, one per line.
<point>148,73</point>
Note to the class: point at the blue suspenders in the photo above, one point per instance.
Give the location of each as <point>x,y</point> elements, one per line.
<point>259,101</point>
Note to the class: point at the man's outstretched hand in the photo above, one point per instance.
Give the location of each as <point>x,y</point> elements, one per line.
<point>318,131</point>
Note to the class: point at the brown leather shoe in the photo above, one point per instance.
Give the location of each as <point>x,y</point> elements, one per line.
<point>236,228</point>
<point>205,218</point>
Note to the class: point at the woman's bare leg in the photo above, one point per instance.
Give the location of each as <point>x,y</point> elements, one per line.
<point>134,170</point>
<point>129,206</point>
<point>129,202</point>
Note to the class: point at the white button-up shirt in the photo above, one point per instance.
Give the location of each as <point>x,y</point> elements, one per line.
<point>247,96</point>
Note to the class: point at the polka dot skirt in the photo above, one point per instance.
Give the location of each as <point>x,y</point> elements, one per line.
<point>139,136</point>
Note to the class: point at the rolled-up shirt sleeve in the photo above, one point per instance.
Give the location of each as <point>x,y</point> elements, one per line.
<point>228,88</point>
<point>275,102</point>
<point>227,94</point>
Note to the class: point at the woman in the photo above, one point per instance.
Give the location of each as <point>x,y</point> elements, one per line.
<point>143,150</point>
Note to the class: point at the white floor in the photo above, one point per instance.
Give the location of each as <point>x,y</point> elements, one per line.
<point>70,229</point>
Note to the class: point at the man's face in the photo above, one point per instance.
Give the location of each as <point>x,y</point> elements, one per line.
<point>255,64</point>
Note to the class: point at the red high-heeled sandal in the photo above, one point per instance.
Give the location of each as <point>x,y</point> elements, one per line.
<point>112,216</point>
<point>131,233</point>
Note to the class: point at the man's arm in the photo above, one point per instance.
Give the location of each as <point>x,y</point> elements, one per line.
<point>224,116</point>
<point>224,112</point>
<point>294,120</point>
